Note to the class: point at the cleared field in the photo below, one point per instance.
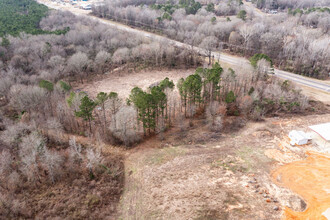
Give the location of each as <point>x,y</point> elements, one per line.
<point>199,175</point>
<point>123,83</point>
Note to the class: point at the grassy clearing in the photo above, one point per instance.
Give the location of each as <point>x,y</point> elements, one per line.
<point>246,160</point>
<point>252,158</point>
<point>232,165</point>
<point>165,155</point>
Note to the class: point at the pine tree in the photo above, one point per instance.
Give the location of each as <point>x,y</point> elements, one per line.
<point>101,98</point>
<point>230,97</point>
<point>114,105</point>
<point>86,110</point>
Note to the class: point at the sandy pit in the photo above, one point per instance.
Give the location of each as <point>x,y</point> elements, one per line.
<point>310,179</point>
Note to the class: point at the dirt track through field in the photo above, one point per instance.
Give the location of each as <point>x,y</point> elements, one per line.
<point>310,179</point>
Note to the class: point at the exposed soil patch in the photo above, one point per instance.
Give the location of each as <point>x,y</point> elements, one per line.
<point>310,179</point>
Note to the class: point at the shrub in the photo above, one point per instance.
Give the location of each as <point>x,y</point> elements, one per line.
<point>259,56</point>
<point>46,85</point>
<point>65,86</point>
<point>230,97</point>
<point>242,14</point>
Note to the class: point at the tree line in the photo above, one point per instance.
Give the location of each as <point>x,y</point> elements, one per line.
<point>215,91</point>
<point>288,47</point>
<point>291,4</point>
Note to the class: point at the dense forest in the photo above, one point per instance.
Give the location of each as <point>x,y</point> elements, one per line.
<point>22,16</point>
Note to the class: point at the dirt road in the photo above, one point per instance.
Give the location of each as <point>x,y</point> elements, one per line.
<point>310,179</point>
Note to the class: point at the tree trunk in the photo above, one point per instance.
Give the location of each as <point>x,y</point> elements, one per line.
<point>90,125</point>
<point>104,116</point>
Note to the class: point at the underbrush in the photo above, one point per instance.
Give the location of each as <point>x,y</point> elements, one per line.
<point>42,178</point>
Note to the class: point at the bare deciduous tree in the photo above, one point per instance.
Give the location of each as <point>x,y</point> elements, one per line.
<point>55,126</point>
<point>5,163</point>
<point>94,159</point>
<point>101,59</point>
<point>53,162</point>
<point>14,181</point>
<point>213,116</point>
<point>31,148</point>
<point>13,134</point>
<point>5,84</point>
<point>28,98</point>
<point>125,129</point>
<point>246,32</point>
<point>121,55</point>
<point>78,64</point>
<point>75,151</point>
<point>263,68</point>
<point>209,44</point>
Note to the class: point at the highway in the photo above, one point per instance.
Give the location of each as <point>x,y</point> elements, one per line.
<point>234,60</point>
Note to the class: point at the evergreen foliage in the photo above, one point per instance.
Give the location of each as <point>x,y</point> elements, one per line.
<point>46,85</point>
<point>259,56</point>
<point>65,86</point>
<point>86,110</point>
<point>242,14</point>
<point>230,97</point>
<point>151,106</point>
<point>101,98</point>
<point>210,7</point>
<point>18,16</point>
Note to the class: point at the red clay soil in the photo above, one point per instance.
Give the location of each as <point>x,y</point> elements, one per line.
<point>310,179</point>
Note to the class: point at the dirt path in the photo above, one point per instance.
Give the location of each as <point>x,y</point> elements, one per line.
<point>310,179</point>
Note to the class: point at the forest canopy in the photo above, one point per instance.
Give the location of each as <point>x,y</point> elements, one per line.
<point>22,16</point>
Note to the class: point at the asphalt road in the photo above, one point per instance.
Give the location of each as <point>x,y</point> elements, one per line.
<point>313,83</point>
